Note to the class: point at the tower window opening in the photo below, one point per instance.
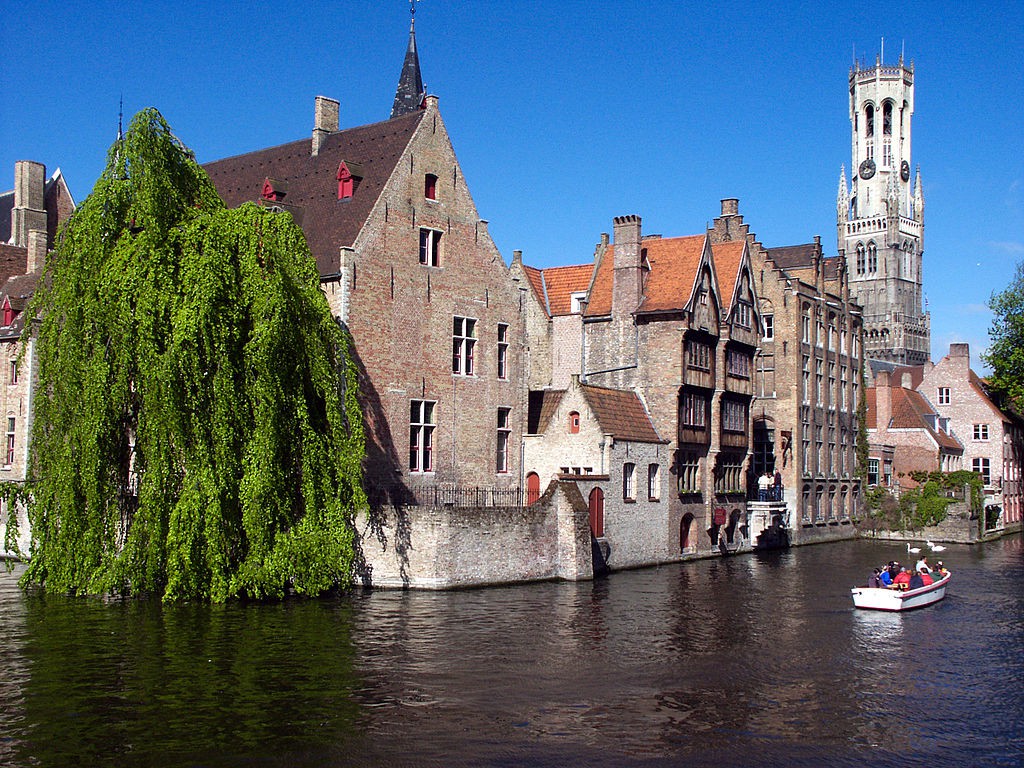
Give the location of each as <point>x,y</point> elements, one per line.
<point>887,118</point>
<point>872,258</point>
<point>869,121</point>
<point>860,258</point>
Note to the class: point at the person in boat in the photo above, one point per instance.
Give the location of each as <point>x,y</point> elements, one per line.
<point>926,578</point>
<point>894,570</point>
<point>874,582</point>
<point>922,565</point>
<point>884,578</point>
<point>916,581</point>
<point>902,579</point>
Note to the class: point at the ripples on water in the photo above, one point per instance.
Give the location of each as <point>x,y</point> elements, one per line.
<point>752,660</point>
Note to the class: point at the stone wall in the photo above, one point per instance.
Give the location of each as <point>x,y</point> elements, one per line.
<point>448,547</point>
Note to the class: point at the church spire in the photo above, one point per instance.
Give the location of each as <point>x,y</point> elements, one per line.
<point>843,197</point>
<point>409,95</point>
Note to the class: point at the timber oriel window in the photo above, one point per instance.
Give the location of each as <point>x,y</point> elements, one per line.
<point>738,363</point>
<point>502,350</point>
<point>421,435</point>
<point>693,410</point>
<point>689,472</point>
<point>734,416</point>
<point>698,355</point>
<point>463,345</point>
<point>504,436</point>
<point>743,314</point>
<point>10,440</point>
<point>430,247</point>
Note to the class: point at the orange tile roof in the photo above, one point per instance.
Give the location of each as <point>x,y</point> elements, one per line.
<point>601,289</point>
<point>562,282</point>
<point>536,279</point>
<point>728,257</point>
<point>674,263</point>
<point>621,414</point>
<point>909,409</point>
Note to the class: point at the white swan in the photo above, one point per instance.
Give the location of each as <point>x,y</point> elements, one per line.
<point>915,550</point>
<point>936,547</point>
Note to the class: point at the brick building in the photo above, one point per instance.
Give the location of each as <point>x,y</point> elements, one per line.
<point>906,434</point>
<point>807,382</point>
<point>674,322</point>
<point>30,217</point>
<point>992,437</point>
<point>408,266</point>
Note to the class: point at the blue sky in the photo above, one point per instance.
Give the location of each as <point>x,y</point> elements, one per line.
<point>565,114</point>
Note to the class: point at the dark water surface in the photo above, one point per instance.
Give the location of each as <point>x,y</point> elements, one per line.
<point>752,660</point>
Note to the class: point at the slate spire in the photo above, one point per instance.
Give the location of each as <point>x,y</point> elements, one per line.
<point>409,95</point>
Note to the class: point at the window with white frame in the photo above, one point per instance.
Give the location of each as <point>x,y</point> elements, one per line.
<point>504,437</point>
<point>805,380</point>
<point>981,431</point>
<point>769,327</point>
<point>818,378</point>
<point>502,350</point>
<point>982,467</point>
<point>463,345</point>
<point>805,326</point>
<point>629,481</point>
<point>430,247</point>
<point>576,300</point>
<point>653,482</point>
<point>421,435</point>
<point>944,396</point>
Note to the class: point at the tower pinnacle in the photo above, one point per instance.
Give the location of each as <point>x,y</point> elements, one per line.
<point>410,93</point>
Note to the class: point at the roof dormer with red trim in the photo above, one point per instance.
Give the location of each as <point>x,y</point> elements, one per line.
<point>273,190</point>
<point>349,176</point>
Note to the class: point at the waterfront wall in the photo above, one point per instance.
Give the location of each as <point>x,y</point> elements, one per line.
<point>445,547</point>
<point>959,527</point>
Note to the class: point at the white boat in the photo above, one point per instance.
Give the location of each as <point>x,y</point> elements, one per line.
<point>884,599</point>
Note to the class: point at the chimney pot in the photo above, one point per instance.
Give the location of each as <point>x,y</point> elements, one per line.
<point>730,206</point>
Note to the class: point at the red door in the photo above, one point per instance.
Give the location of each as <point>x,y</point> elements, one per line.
<point>532,487</point>
<point>597,513</point>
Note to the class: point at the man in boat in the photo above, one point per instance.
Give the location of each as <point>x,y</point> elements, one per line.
<point>926,578</point>
<point>902,579</point>
<point>885,578</point>
<point>874,582</point>
<point>941,570</point>
<point>916,581</point>
<point>894,570</point>
<point>922,565</point>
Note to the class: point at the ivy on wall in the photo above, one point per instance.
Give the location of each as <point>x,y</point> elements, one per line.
<point>196,428</point>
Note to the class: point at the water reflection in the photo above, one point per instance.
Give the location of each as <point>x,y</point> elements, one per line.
<point>746,660</point>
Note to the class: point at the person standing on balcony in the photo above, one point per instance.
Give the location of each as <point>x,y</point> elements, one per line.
<point>764,482</point>
<point>778,485</point>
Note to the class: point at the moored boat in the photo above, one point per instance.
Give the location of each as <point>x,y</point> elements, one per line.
<point>885,599</point>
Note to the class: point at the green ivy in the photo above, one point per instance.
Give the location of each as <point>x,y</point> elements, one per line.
<point>197,432</point>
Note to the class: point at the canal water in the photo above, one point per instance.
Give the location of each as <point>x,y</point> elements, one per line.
<point>749,660</point>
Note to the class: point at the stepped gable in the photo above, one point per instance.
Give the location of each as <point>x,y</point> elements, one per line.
<point>311,181</point>
<point>57,201</point>
<point>620,414</point>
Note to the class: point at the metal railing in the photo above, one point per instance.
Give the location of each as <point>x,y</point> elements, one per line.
<point>470,497</point>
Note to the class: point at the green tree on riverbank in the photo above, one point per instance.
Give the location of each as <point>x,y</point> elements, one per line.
<point>197,432</point>
<point>1006,354</point>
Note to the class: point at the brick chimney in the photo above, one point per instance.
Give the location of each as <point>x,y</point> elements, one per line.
<point>626,275</point>
<point>38,242</point>
<point>883,401</point>
<point>325,121</point>
<point>29,210</point>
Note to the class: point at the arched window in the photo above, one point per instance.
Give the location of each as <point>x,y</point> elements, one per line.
<point>869,121</point>
<point>597,513</point>
<point>872,258</point>
<point>532,487</point>
<point>887,118</point>
<point>574,422</point>
<point>860,259</point>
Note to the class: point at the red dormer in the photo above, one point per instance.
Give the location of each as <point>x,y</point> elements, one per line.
<point>273,190</point>
<point>349,176</point>
<point>8,312</point>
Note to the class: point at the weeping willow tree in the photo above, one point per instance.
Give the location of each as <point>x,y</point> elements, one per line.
<point>196,429</point>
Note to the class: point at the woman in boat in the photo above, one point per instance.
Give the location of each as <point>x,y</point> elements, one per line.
<point>874,582</point>
<point>885,578</point>
<point>940,569</point>
<point>902,579</point>
<point>916,581</point>
<point>926,578</point>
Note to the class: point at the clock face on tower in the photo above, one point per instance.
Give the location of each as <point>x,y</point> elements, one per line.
<point>867,169</point>
<point>905,170</point>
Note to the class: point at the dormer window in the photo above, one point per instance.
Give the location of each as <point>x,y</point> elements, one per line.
<point>576,299</point>
<point>8,311</point>
<point>273,190</point>
<point>349,176</point>
<point>430,186</point>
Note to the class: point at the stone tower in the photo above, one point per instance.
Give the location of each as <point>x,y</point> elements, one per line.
<point>880,217</point>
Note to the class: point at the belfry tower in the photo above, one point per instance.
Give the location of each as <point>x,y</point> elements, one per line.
<point>880,217</point>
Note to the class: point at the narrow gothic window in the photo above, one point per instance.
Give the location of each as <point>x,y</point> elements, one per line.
<point>872,258</point>
<point>887,118</point>
<point>421,435</point>
<point>860,259</point>
<point>504,436</point>
<point>430,186</point>
<point>869,121</point>
<point>430,247</point>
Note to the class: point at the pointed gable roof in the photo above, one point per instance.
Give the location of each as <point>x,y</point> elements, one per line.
<point>311,180</point>
<point>555,286</point>
<point>674,264</point>
<point>728,263</point>
<point>909,409</point>
<point>409,94</point>
<point>621,414</point>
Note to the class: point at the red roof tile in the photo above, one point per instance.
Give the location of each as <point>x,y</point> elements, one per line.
<point>561,282</point>
<point>674,264</point>
<point>621,414</point>
<point>728,257</point>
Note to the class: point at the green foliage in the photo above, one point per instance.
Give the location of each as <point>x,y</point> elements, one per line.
<point>862,430</point>
<point>1005,355</point>
<point>196,432</point>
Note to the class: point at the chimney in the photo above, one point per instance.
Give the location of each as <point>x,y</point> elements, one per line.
<point>517,257</point>
<point>29,210</point>
<point>960,358</point>
<point>883,401</point>
<point>37,245</point>
<point>325,121</point>
<point>626,273</point>
<point>730,206</point>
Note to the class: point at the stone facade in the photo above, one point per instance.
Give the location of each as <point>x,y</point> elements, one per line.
<point>880,217</point>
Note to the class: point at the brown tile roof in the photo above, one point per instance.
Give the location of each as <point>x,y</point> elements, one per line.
<point>674,263</point>
<point>909,409</point>
<point>916,375</point>
<point>728,257</point>
<point>621,414</point>
<point>13,261</point>
<point>978,385</point>
<point>311,181</point>
<point>536,279</point>
<point>789,256</point>
<point>871,416</point>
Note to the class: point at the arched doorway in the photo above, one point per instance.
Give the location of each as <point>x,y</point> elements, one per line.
<point>685,525</point>
<point>532,487</point>
<point>597,513</point>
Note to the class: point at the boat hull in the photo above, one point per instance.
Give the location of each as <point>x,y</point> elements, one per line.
<point>895,600</point>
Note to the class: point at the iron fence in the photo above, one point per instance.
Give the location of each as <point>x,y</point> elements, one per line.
<point>471,497</point>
